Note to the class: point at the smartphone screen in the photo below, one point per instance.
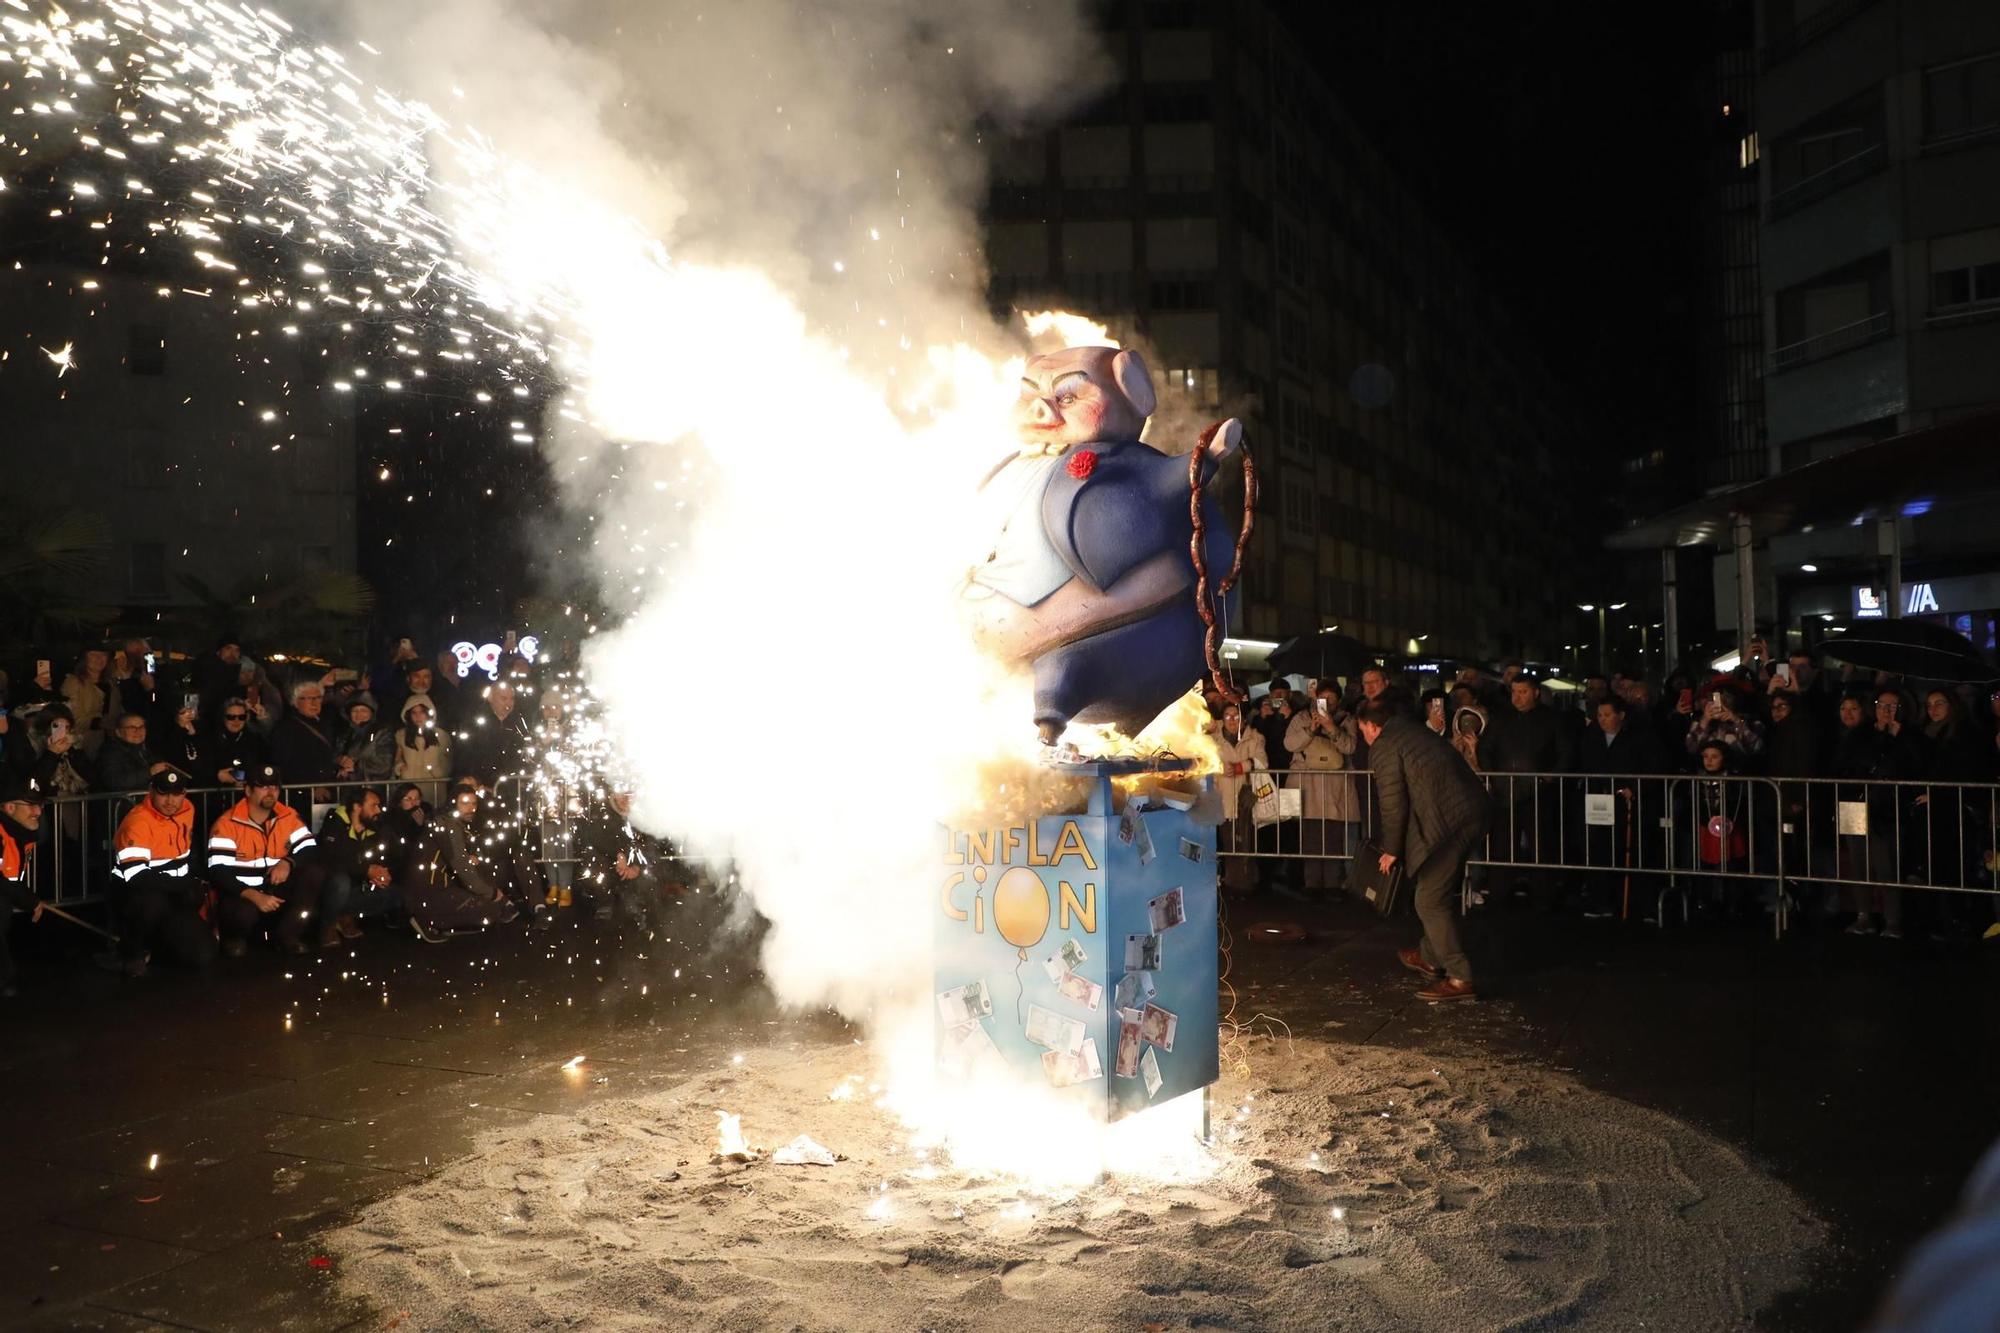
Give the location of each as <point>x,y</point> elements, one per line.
<point>191,702</point>
<point>1323,705</point>
<point>149,664</point>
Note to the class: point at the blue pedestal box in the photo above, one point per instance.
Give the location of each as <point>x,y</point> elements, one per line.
<point>1079,951</point>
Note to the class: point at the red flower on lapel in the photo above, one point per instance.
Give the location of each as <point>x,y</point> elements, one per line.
<point>1082,464</point>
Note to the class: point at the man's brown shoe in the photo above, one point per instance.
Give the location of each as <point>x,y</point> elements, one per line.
<point>1448,988</point>
<point>1414,960</point>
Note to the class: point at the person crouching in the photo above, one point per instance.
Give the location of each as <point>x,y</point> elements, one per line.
<point>260,866</point>
<point>447,887</point>
<point>160,898</point>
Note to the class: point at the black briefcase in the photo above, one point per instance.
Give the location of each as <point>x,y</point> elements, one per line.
<point>1382,892</point>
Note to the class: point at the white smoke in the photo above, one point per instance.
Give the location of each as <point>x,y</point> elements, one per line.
<point>761,215</point>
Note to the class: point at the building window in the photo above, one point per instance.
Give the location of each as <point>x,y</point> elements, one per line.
<point>1200,385</point>
<point>1965,270</point>
<point>146,575</point>
<point>1298,503</point>
<point>1746,151</point>
<point>146,352</point>
<point>1833,312</point>
<point>1962,99</point>
<point>1833,149</point>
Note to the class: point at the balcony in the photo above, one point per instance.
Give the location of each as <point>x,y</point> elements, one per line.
<point>1826,181</point>
<point>1877,326</point>
<point>1785,45</point>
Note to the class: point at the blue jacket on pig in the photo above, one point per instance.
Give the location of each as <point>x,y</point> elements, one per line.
<point>1133,506</point>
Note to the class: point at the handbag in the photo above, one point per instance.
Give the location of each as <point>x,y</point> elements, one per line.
<point>1381,892</point>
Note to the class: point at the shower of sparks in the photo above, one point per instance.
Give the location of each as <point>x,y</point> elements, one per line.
<point>207,143</point>
<point>64,358</point>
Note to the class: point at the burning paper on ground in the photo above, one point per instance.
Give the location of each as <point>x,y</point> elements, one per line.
<point>802,1151</point>
<point>1082,990</point>
<point>730,1145</point>
<point>965,1003</point>
<point>1049,1028</point>
<point>1167,911</point>
<point>1156,1025</point>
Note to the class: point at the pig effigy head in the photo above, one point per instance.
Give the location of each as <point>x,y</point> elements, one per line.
<point>1082,395</point>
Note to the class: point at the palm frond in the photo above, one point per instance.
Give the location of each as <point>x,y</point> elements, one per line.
<point>66,543</point>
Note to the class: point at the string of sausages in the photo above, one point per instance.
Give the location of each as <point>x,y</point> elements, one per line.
<point>1204,602</point>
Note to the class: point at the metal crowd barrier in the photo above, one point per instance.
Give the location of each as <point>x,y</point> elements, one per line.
<point>1872,838</point>
<point>72,864</point>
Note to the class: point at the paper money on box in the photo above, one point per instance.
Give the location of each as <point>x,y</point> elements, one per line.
<point>1082,990</point>
<point>965,1003</point>
<point>1055,967</point>
<point>1142,953</point>
<point>1061,1069</point>
<point>1167,911</point>
<point>1086,1058</point>
<point>1146,852</point>
<point>1073,955</point>
<point>1149,1068</point>
<point>1135,990</point>
<point>1157,1026</point>
<point>1048,1028</point>
<point>966,1047</point>
<point>1127,1065</point>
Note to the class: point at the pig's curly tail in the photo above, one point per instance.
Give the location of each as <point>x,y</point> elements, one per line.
<point>1205,601</point>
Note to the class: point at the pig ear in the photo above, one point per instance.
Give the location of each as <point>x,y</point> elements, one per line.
<point>1129,369</point>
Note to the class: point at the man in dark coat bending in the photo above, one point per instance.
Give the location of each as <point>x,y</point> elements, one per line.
<point>1431,812</point>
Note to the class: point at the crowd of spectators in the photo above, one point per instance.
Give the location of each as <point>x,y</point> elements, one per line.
<point>217,803</point>
<point>1572,773</point>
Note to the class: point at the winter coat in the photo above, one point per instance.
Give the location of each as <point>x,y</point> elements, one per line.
<point>189,752</point>
<point>123,766</point>
<point>1425,796</point>
<point>246,749</point>
<point>1246,749</point>
<point>422,756</point>
<point>373,750</point>
<point>302,751</point>
<point>1316,758</point>
<point>344,847</point>
<point>445,885</point>
<point>490,747</point>
<point>88,703</point>
<point>1532,742</point>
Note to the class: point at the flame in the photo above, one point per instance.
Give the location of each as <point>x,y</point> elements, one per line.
<point>729,1140</point>
<point>1053,329</point>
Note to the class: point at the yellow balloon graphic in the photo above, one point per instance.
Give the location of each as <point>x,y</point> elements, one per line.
<point>1021,908</point>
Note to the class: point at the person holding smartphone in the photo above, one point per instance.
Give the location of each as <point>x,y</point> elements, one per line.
<point>1322,740</point>
<point>1720,718</point>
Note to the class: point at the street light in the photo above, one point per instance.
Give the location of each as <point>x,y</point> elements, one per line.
<point>1603,654</point>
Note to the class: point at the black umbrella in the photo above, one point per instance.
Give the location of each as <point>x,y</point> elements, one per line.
<point>1321,656</point>
<point>1906,648</point>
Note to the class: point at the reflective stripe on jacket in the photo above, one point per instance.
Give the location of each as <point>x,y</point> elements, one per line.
<point>242,850</point>
<point>149,840</point>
